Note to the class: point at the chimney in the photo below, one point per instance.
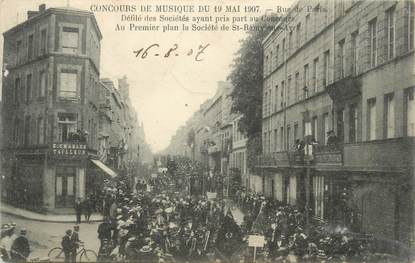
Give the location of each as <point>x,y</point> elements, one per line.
<point>42,8</point>
<point>31,14</point>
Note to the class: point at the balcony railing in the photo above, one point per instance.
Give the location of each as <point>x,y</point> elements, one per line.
<point>396,154</point>
<point>389,154</point>
<point>273,159</point>
<point>327,155</point>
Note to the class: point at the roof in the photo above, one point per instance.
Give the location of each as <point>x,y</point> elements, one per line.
<point>57,10</point>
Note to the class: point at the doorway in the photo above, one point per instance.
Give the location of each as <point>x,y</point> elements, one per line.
<point>65,186</point>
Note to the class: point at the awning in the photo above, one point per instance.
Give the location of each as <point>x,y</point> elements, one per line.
<point>104,168</point>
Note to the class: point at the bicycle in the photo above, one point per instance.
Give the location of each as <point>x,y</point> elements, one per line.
<point>85,255</point>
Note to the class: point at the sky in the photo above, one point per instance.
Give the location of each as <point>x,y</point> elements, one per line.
<point>164,91</point>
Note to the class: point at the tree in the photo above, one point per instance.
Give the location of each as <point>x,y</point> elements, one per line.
<point>247,79</point>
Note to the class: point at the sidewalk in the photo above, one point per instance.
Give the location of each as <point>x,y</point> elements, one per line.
<point>69,218</point>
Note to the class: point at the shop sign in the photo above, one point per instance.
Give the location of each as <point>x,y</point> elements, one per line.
<point>256,241</point>
<point>69,149</point>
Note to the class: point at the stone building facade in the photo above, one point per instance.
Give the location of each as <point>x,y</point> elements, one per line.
<point>347,67</point>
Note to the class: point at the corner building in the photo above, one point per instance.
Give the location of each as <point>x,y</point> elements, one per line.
<point>346,66</point>
<point>50,110</point>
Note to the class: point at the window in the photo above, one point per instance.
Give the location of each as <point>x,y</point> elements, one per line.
<point>307,26</point>
<point>315,68</point>
<point>16,132</point>
<point>373,42</point>
<point>67,126</point>
<point>288,136</point>
<point>265,103</point>
<point>318,189</point>
<point>16,90</point>
<point>275,140</point>
<point>288,90</point>
<point>295,131</point>
<point>326,68</point>
<point>282,93</point>
<point>277,54</point>
<point>290,42</point>
<point>297,86</point>
<point>314,127</point>
<point>43,41</point>
<point>325,126</point>
<point>307,128</point>
<point>283,48</point>
<point>298,40</point>
<point>28,88</point>
<point>410,112</point>
<point>282,138</point>
<point>265,142</point>
<point>42,83</point>
<point>27,131</point>
<point>266,65</point>
<point>341,58</point>
<point>353,123</point>
<point>271,65</point>
<point>40,131</point>
<point>371,115</point>
<point>68,84</point>
<point>355,52</point>
<point>305,84</point>
<point>389,116</point>
<point>340,125</point>
<point>18,51</point>
<point>276,98</point>
<point>410,16</point>
<point>390,32</point>
<point>70,40</point>
<point>30,47</point>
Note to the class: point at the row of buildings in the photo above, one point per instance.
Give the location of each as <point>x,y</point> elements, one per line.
<point>212,137</point>
<point>346,67</point>
<point>64,127</point>
<point>339,67</point>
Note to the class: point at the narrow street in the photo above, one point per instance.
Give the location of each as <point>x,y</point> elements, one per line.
<point>44,235</point>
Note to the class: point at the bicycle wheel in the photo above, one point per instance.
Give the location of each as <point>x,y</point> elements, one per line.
<point>88,256</point>
<point>56,254</point>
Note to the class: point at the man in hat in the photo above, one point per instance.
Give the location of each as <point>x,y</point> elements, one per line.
<point>20,249</point>
<point>78,210</point>
<point>332,139</point>
<point>75,242</point>
<point>6,239</point>
<point>67,245</point>
<point>104,232</point>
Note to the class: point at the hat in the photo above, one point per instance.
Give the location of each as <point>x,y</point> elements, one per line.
<point>5,227</point>
<point>145,249</point>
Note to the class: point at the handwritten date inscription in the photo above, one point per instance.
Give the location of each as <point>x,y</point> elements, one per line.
<point>156,51</point>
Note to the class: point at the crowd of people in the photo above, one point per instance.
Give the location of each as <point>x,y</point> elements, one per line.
<point>161,225</point>
<point>289,238</point>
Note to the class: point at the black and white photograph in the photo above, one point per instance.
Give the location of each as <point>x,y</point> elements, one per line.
<point>207,131</point>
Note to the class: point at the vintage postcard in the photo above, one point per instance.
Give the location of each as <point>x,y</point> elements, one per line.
<point>207,131</point>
